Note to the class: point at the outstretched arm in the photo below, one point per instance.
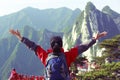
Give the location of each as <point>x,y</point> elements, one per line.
<point>74,52</point>
<point>30,44</point>
<point>84,47</point>
<point>39,51</point>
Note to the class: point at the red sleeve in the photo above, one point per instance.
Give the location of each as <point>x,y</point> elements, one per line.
<point>71,55</point>
<point>42,54</point>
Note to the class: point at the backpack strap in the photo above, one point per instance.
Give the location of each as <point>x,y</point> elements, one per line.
<point>50,56</point>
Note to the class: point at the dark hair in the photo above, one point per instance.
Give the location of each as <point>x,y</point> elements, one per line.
<point>56,39</point>
<point>56,43</point>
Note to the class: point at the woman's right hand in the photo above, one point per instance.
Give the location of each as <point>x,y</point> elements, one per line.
<point>16,33</point>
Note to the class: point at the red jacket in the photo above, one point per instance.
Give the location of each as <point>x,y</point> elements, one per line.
<point>70,55</point>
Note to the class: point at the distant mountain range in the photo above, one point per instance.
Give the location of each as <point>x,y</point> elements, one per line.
<point>51,19</point>
<point>40,25</point>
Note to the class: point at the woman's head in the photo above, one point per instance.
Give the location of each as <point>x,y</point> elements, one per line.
<point>56,43</point>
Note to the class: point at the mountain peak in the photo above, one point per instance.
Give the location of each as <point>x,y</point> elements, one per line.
<point>90,6</point>
<point>106,8</point>
<point>30,9</point>
<point>110,12</point>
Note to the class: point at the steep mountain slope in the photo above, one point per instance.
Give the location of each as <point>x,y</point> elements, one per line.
<point>113,14</point>
<point>90,22</point>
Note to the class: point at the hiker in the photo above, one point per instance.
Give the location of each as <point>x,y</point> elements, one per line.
<point>55,60</point>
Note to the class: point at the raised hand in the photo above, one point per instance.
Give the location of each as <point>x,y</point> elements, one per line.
<point>99,35</point>
<point>16,33</point>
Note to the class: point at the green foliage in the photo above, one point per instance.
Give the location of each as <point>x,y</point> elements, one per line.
<point>105,72</point>
<point>112,46</point>
<point>79,60</point>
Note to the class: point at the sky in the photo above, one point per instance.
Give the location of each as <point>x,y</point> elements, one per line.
<point>11,6</point>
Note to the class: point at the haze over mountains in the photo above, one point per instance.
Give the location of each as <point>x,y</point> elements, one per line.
<point>39,25</point>
<point>51,19</point>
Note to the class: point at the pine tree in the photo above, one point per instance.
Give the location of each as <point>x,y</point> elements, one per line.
<point>112,47</point>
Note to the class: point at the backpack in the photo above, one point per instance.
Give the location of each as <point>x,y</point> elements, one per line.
<point>56,67</point>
